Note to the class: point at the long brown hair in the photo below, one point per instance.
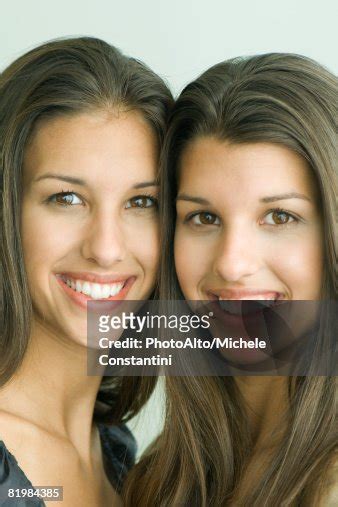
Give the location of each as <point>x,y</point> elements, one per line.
<point>199,458</point>
<point>63,77</point>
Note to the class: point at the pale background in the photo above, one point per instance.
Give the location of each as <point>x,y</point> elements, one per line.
<point>178,39</point>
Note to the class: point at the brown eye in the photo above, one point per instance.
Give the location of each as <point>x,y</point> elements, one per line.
<point>279,217</point>
<point>205,218</point>
<point>66,199</point>
<point>141,202</point>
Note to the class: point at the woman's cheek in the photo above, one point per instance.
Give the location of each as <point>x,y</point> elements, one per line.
<point>300,266</point>
<point>309,267</point>
<point>144,246</point>
<point>46,238</point>
<point>37,240</point>
<point>193,261</point>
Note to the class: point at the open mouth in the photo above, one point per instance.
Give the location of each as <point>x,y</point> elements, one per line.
<point>94,290</point>
<point>246,306</point>
<point>82,291</point>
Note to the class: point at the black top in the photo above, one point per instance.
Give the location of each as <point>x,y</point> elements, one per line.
<point>118,449</point>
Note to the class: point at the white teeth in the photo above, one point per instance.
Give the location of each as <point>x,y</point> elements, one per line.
<point>95,290</point>
<point>115,288</point>
<point>86,289</point>
<point>105,291</point>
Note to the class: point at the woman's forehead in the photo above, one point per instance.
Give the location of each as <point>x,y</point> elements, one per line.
<point>88,146</point>
<point>253,168</point>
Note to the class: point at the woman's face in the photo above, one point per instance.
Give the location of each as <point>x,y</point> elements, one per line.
<point>248,223</point>
<point>89,216</point>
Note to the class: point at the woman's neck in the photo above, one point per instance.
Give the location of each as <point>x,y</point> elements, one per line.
<point>52,389</point>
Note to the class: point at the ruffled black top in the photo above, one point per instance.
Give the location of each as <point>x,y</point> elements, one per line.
<point>118,449</point>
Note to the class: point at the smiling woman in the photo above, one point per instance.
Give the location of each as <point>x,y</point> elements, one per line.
<point>104,243</point>
<point>267,185</point>
<point>81,128</point>
<point>270,202</point>
<point>249,189</point>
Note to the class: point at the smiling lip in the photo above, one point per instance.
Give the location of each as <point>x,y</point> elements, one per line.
<point>242,321</point>
<point>81,299</point>
<point>94,278</point>
<point>244,294</point>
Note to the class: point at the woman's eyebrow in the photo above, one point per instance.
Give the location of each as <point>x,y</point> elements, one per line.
<point>281,197</point>
<point>79,181</point>
<point>191,198</point>
<point>61,177</point>
<point>145,184</point>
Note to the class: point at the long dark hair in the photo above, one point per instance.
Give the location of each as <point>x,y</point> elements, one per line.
<point>199,458</point>
<point>63,77</point>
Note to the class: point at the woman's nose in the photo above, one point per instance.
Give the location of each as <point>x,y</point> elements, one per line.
<point>103,241</point>
<point>237,255</point>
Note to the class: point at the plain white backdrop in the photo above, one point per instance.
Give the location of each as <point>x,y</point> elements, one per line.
<point>178,39</point>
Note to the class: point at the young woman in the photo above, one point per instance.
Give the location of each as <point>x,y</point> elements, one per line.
<point>81,126</point>
<point>251,162</point>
